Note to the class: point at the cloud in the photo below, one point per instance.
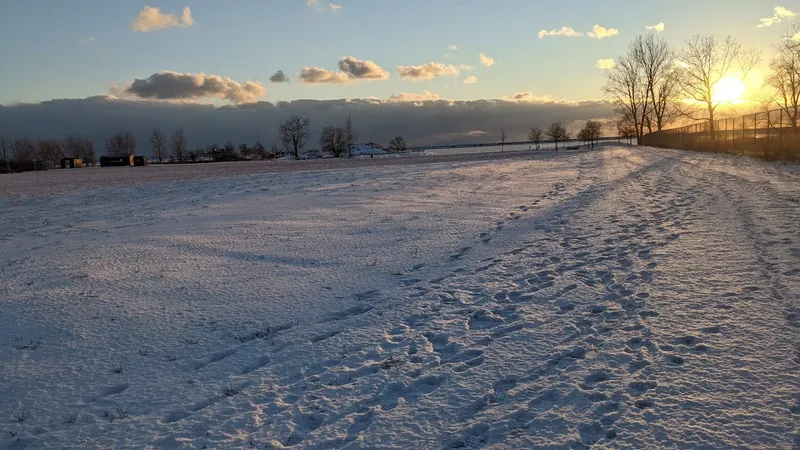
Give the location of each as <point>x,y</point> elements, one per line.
<point>363,70</point>
<point>350,69</point>
<point>470,80</point>
<point>88,40</point>
<point>605,64</point>
<point>465,67</point>
<point>427,71</point>
<point>279,77</point>
<point>453,48</point>
<point>151,18</point>
<point>778,14</point>
<point>425,96</point>
<point>424,120</point>
<point>332,7</point>
<point>599,32</point>
<point>564,31</point>
<point>659,27</point>
<point>168,85</point>
<point>486,61</point>
<point>528,97</point>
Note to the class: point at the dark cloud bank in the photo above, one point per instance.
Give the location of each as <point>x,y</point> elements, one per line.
<point>421,123</point>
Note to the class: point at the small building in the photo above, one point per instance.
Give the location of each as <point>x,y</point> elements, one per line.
<point>116,161</point>
<point>140,160</point>
<point>71,163</point>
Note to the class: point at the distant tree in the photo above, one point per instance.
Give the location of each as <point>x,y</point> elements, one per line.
<point>5,153</point>
<point>557,132</point>
<point>333,140</point>
<point>158,142</point>
<point>535,136</point>
<point>592,131</point>
<point>229,152</point>
<point>245,151</point>
<point>349,137</point>
<point>24,150</point>
<point>121,144</point>
<point>294,133</point>
<point>259,151</point>
<point>503,137</point>
<point>705,62</point>
<point>784,81</point>
<point>88,156</point>
<point>398,145</point>
<point>179,145</point>
<point>275,152</point>
<point>49,152</point>
<point>194,154</point>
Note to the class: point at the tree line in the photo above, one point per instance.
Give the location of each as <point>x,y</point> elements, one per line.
<point>653,85</point>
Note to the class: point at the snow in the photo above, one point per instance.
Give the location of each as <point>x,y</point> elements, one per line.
<point>619,298</point>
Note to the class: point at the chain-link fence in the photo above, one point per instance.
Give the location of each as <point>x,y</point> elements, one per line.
<point>771,135</point>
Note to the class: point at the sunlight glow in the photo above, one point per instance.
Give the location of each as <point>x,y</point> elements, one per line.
<point>729,90</point>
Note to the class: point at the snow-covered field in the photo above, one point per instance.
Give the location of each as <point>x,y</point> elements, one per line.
<point>621,298</point>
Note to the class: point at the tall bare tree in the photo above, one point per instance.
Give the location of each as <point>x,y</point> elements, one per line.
<point>656,61</point>
<point>121,144</point>
<point>627,91</point>
<point>535,136</point>
<point>398,145</point>
<point>5,152</point>
<point>704,62</point>
<point>350,137</point>
<point>503,137</point>
<point>180,145</point>
<point>294,133</point>
<point>784,81</point>
<point>557,132</point>
<point>158,142</point>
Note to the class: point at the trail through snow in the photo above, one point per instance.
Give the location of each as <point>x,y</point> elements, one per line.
<point>620,298</point>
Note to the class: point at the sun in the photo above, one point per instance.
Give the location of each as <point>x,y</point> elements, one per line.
<point>729,90</point>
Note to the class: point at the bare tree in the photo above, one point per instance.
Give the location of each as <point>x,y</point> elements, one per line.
<point>334,140</point>
<point>557,132</point>
<point>704,62</point>
<point>87,153</point>
<point>350,137</point>
<point>592,131</point>
<point>158,142</point>
<point>179,145</point>
<point>398,145</point>
<point>294,133</point>
<point>24,150</point>
<point>121,144</point>
<point>784,81</point>
<point>5,152</point>
<point>656,61</point>
<point>535,136</point>
<point>503,137</point>
<point>49,152</point>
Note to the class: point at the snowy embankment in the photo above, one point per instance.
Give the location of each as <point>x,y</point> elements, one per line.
<point>620,298</point>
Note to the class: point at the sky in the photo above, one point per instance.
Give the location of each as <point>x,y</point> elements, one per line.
<point>224,53</point>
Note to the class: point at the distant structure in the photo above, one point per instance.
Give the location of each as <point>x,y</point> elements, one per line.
<point>116,161</point>
<point>140,161</point>
<point>71,163</point>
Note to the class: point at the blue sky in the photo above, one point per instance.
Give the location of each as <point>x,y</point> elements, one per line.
<point>76,49</point>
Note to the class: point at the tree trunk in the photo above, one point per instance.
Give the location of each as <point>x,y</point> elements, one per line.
<point>711,127</point>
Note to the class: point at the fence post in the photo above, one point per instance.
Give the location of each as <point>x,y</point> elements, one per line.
<point>755,129</point>
<point>769,129</point>
<point>743,136</point>
<point>780,130</point>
